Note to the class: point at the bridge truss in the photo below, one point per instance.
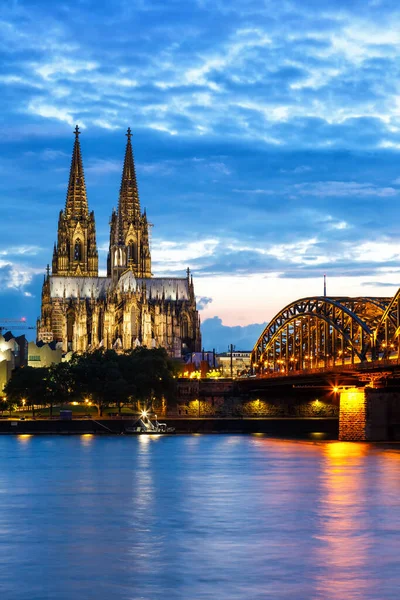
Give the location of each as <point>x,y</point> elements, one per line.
<point>323,332</point>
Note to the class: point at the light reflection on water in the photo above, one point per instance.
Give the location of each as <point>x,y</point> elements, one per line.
<point>197,517</point>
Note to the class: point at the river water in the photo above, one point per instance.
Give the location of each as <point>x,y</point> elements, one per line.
<point>197,517</point>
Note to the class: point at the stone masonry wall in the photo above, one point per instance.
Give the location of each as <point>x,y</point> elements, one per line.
<point>353,415</point>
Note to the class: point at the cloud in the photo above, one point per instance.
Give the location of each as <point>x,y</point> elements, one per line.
<point>342,188</point>
<point>202,302</point>
<point>20,250</point>
<point>301,77</point>
<point>48,154</point>
<point>219,336</point>
<point>297,170</point>
<point>256,191</point>
<point>382,284</point>
<point>15,276</point>
<point>264,146</point>
<point>101,166</point>
<point>176,256</point>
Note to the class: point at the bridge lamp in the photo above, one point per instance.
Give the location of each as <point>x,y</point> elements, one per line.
<point>335,390</point>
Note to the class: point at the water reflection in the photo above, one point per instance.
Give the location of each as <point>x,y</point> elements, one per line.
<point>203,517</point>
<point>344,536</point>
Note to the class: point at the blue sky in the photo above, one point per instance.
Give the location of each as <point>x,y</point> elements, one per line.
<point>266,138</point>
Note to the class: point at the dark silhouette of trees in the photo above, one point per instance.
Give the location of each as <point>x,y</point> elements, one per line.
<point>27,386</point>
<point>142,377</point>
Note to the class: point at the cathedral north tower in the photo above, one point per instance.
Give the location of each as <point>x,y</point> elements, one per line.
<point>75,253</point>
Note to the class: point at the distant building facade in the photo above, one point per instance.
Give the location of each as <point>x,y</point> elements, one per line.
<point>241,361</point>
<point>127,308</point>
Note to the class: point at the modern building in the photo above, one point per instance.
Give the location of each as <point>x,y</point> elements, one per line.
<point>41,354</point>
<point>237,362</point>
<point>13,354</point>
<point>127,308</point>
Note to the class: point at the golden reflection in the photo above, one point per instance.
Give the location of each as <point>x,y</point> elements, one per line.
<point>343,452</point>
<point>343,552</point>
<point>144,440</point>
<point>23,437</point>
<point>86,438</point>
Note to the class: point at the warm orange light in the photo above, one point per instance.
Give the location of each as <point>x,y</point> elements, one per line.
<point>336,389</point>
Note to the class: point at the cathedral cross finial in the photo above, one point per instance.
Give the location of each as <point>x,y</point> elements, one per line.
<point>129,134</point>
<point>76,132</point>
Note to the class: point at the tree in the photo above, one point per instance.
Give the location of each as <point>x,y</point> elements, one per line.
<point>149,373</point>
<point>3,404</point>
<point>96,374</point>
<point>59,384</point>
<point>27,385</point>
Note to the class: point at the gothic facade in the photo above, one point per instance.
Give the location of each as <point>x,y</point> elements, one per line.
<point>127,308</point>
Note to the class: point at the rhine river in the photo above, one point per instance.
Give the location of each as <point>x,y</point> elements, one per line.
<point>186,517</point>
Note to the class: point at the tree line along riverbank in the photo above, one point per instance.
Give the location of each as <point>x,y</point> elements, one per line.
<point>136,380</point>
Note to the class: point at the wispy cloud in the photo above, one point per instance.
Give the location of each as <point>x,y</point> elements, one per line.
<point>343,188</point>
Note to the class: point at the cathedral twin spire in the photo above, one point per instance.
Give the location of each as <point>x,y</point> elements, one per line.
<point>75,253</point>
<point>76,205</point>
<point>129,235</point>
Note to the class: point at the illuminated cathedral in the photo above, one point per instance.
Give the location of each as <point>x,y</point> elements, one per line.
<point>129,308</point>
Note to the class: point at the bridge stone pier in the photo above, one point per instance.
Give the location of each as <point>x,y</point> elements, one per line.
<point>369,414</point>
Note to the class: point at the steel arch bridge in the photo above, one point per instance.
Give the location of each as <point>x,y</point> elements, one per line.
<point>324,332</point>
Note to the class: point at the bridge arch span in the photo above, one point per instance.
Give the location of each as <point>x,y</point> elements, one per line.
<point>319,332</point>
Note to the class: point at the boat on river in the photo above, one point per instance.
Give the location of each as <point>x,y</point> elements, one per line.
<point>143,425</point>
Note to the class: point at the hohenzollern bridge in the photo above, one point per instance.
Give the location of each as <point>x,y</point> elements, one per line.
<point>349,346</point>
<point>329,333</point>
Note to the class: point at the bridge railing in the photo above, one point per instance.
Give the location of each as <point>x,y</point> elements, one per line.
<point>360,366</point>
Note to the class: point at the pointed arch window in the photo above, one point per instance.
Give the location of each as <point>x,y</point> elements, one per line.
<point>78,250</point>
<point>184,327</point>
<point>131,252</point>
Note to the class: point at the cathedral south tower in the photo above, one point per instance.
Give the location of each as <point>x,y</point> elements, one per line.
<point>129,235</point>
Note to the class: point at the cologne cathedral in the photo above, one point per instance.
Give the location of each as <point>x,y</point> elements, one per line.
<point>82,311</point>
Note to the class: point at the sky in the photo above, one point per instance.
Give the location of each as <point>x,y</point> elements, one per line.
<point>266,141</point>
